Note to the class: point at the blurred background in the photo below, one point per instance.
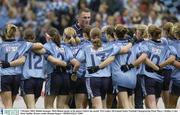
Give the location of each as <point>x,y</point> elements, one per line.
<point>40,14</point>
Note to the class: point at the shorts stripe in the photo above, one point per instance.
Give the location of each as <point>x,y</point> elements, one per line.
<point>143,86</point>
<point>0,84</point>
<point>89,90</point>
<point>22,88</point>
<point>48,86</point>
<point>170,86</point>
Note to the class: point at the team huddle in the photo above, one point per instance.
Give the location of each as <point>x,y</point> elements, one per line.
<point>105,68</point>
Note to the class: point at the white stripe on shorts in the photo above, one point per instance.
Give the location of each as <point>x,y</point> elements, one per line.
<point>0,84</point>
<point>88,87</point>
<point>48,86</point>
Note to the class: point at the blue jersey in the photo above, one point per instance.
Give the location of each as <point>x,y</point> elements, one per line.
<point>63,53</point>
<point>176,72</point>
<point>82,69</point>
<point>157,53</point>
<point>94,57</point>
<point>11,51</point>
<point>141,50</point>
<point>34,66</point>
<point>120,78</point>
<point>170,43</point>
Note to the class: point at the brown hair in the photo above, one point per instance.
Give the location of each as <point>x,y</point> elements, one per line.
<point>53,32</point>
<point>120,30</point>
<point>87,30</point>
<point>29,35</point>
<point>110,31</point>
<point>154,32</point>
<point>95,32</point>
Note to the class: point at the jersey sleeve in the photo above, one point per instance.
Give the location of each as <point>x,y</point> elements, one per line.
<point>81,55</point>
<point>172,51</point>
<point>25,47</point>
<point>142,49</point>
<point>69,54</point>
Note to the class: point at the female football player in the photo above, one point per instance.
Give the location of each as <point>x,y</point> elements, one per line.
<point>175,85</point>
<point>10,51</point>
<point>58,80</point>
<point>97,80</point>
<point>160,54</point>
<point>33,73</point>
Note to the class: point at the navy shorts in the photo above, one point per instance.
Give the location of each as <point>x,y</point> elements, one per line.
<point>166,82</point>
<point>32,86</point>
<point>122,89</point>
<point>79,86</point>
<point>174,89</point>
<point>57,83</point>
<point>152,87</point>
<point>110,88</point>
<point>10,83</point>
<point>97,86</point>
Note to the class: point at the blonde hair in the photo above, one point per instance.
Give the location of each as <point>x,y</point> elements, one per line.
<point>10,31</point>
<point>142,28</point>
<point>168,29</point>
<point>69,31</point>
<point>176,30</point>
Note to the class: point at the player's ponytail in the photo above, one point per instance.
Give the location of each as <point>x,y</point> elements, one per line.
<point>55,36</point>
<point>168,29</point>
<point>9,31</point>
<point>70,36</point>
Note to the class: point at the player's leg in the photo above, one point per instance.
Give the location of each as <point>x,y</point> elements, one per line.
<point>165,89</point>
<point>93,86</point>
<point>153,91</point>
<point>97,102</point>
<point>81,100</point>
<point>7,90</point>
<point>38,88</point>
<point>6,97</point>
<point>27,91</point>
<point>52,85</point>
<point>111,101</point>
<point>61,102</point>
<point>131,100</point>
<point>174,95</point>
<point>29,100</point>
<point>123,97</point>
<point>64,91</point>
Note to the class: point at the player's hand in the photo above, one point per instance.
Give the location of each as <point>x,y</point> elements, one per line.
<point>93,69</point>
<point>74,76</point>
<point>4,64</point>
<point>149,69</point>
<point>126,67</point>
<point>163,72</point>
